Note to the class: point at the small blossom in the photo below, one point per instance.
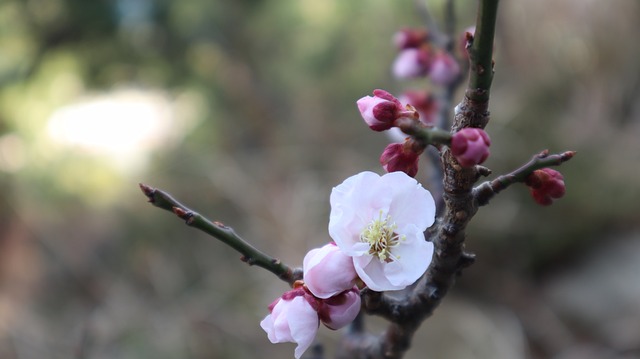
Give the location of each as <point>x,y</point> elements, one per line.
<point>444,69</point>
<point>328,271</point>
<point>400,157</point>
<point>340,310</point>
<point>380,221</point>
<point>293,319</point>
<point>470,146</point>
<point>382,110</point>
<point>410,38</point>
<point>297,314</point>
<point>412,63</point>
<point>546,185</point>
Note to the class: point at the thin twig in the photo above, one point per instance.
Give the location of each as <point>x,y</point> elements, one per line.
<point>227,235</point>
<point>487,190</point>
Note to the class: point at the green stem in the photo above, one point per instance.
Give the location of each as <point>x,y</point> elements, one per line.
<point>433,136</point>
<point>227,235</point>
<point>487,190</point>
<point>481,52</point>
<point>424,136</point>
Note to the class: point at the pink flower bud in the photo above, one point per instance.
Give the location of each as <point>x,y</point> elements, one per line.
<point>292,319</point>
<point>382,110</point>
<point>546,185</point>
<point>444,69</point>
<point>470,146</point>
<point>410,38</point>
<point>424,102</point>
<point>328,271</point>
<point>400,157</point>
<point>412,63</point>
<point>340,310</point>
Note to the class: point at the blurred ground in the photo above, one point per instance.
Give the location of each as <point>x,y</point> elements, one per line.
<point>245,110</point>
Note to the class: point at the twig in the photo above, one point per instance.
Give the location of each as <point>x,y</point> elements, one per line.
<point>487,190</point>
<point>481,52</point>
<point>227,235</point>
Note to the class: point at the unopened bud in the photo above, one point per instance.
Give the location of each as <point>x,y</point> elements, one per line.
<point>444,69</point>
<point>470,146</point>
<point>340,310</point>
<point>381,110</point>
<point>410,38</point>
<point>328,271</point>
<point>412,63</point>
<point>546,185</point>
<point>401,157</point>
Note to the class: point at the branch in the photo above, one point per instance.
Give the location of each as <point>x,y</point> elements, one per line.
<point>448,234</point>
<point>487,190</point>
<point>227,235</point>
<point>481,51</point>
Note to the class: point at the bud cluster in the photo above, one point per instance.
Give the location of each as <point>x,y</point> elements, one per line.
<point>418,57</point>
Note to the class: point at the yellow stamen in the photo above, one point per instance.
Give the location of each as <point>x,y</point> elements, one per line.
<point>380,236</point>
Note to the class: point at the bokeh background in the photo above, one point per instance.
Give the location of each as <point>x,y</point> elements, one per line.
<point>245,110</point>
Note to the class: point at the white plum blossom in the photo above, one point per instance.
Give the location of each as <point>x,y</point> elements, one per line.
<point>380,221</point>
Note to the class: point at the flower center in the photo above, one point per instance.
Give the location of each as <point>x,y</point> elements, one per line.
<point>380,236</point>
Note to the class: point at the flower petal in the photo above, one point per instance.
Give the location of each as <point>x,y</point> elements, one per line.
<point>328,271</point>
<point>304,323</point>
<point>341,309</point>
<point>414,256</point>
<point>371,271</point>
<point>412,204</point>
<point>353,204</point>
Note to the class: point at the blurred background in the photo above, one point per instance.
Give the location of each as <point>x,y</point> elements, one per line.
<point>245,111</point>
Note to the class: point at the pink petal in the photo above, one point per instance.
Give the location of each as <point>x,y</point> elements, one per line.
<point>304,324</point>
<point>328,271</point>
<point>342,313</point>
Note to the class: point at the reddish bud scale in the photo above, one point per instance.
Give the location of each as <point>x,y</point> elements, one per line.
<point>466,41</point>
<point>385,112</point>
